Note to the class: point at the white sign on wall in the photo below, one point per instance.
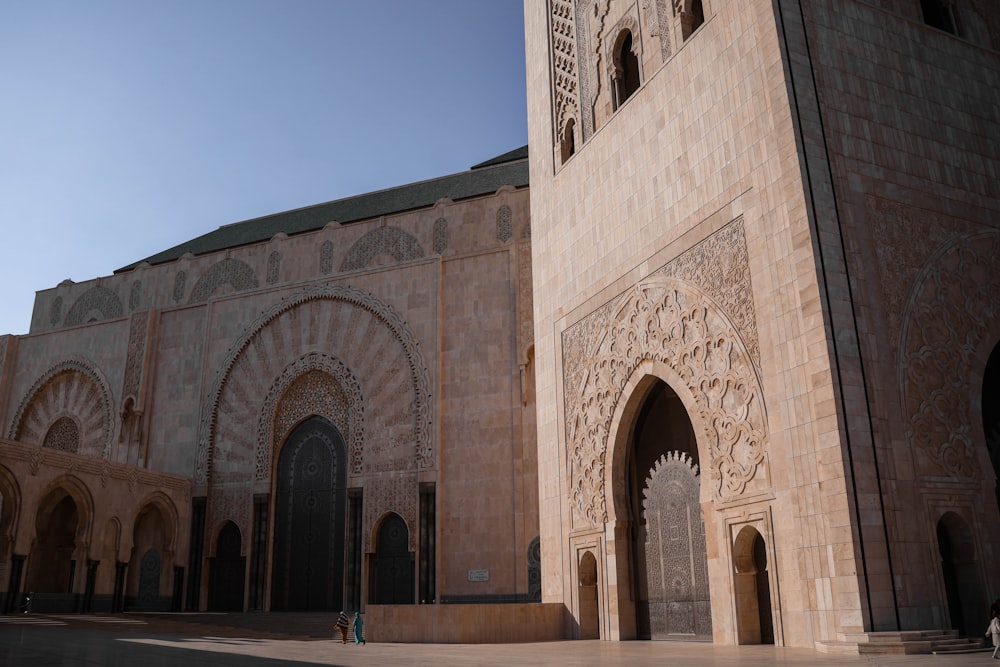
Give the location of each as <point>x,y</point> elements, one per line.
<point>479,575</point>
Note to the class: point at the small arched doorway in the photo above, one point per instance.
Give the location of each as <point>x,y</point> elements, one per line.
<point>52,565</point>
<point>310,520</point>
<point>967,605</point>
<point>991,414</point>
<point>752,588</point>
<point>670,555</point>
<point>590,610</point>
<point>227,570</point>
<point>392,565</point>
<point>626,78</point>
<point>151,542</point>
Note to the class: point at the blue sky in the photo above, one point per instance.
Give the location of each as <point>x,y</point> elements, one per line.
<point>129,126</point>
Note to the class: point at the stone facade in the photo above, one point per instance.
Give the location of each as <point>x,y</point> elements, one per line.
<point>765,240</point>
<point>352,402</point>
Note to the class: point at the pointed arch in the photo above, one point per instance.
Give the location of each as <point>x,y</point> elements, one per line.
<point>370,338</point>
<point>70,388</point>
<point>237,274</point>
<point>669,329</point>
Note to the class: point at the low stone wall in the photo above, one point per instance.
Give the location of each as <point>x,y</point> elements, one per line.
<point>466,623</point>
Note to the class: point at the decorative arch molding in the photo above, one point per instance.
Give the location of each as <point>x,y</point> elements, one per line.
<point>168,511</point>
<point>72,486</point>
<point>382,241</point>
<point>949,327</point>
<point>315,384</point>
<point>665,327</point>
<point>74,388</point>
<point>97,301</point>
<point>10,506</point>
<point>374,342</point>
<point>237,274</point>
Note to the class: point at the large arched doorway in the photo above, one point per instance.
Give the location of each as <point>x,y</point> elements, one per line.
<point>590,610</point>
<point>991,413</point>
<point>227,570</point>
<point>752,588</point>
<point>52,565</point>
<point>392,566</point>
<point>309,520</point>
<point>670,559</point>
<point>967,606</point>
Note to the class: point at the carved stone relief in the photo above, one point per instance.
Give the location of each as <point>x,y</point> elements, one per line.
<point>950,316</point>
<point>562,25</point>
<point>71,388</point>
<point>273,267</point>
<point>316,384</point>
<point>233,272</point>
<point>96,304</point>
<point>505,228</point>
<point>179,282</point>
<point>391,241</point>
<point>397,493</point>
<point>671,321</point>
<point>368,337</point>
<point>440,235</point>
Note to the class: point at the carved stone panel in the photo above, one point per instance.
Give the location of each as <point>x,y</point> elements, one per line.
<point>950,319</point>
<point>676,595</point>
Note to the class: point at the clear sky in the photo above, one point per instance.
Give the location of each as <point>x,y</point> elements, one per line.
<point>129,126</point>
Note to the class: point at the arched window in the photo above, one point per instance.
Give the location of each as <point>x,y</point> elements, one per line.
<point>938,15</point>
<point>626,69</point>
<point>568,143</point>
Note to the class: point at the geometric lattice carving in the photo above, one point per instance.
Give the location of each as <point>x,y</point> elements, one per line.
<point>392,241</point>
<point>440,235</point>
<point>719,266</point>
<point>950,317</point>
<point>273,267</point>
<point>326,258</point>
<point>316,384</point>
<point>564,68</point>
<point>63,435</point>
<point>676,560</point>
<point>95,305</point>
<point>238,275</point>
<point>55,311</point>
<point>69,389</point>
<point>505,228</point>
<point>179,282</point>
<point>135,295</point>
<point>367,336</point>
<point>667,321</point>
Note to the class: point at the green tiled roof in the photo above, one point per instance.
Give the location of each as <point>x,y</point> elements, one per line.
<point>485,178</point>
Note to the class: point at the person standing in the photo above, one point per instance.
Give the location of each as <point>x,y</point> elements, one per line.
<point>994,629</point>
<point>343,624</point>
<point>359,626</point>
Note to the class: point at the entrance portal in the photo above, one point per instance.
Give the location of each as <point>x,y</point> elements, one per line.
<point>671,564</point>
<point>960,570</point>
<point>590,614</point>
<point>225,578</point>
<point>393,563</point>
<point>991,413</point>
<point>309,520</point>
<point>752,588</point>
<point>51,567</point>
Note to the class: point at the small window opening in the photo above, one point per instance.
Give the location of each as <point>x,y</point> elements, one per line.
<point>568,141</point>
<point>627,70</point>
<point>938,15</point>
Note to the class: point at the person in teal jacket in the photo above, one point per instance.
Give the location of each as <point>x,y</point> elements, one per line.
<point>359,625</point>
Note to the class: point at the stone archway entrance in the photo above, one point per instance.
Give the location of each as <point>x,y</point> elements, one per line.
<point>590,610</point>
<point>52,567</point>
<point>670,562</point>
<point>967,605</point>
<point>392,566</point>
<point>227,571</point>
<point>752,588</point>
<point>309,520</point>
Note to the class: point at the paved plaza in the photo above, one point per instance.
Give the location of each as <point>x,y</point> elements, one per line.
<point>217,640</point>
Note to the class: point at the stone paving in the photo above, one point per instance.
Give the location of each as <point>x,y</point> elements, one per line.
<point>220,641</point>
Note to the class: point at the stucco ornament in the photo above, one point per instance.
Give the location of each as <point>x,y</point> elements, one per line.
<point>668,321</point>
